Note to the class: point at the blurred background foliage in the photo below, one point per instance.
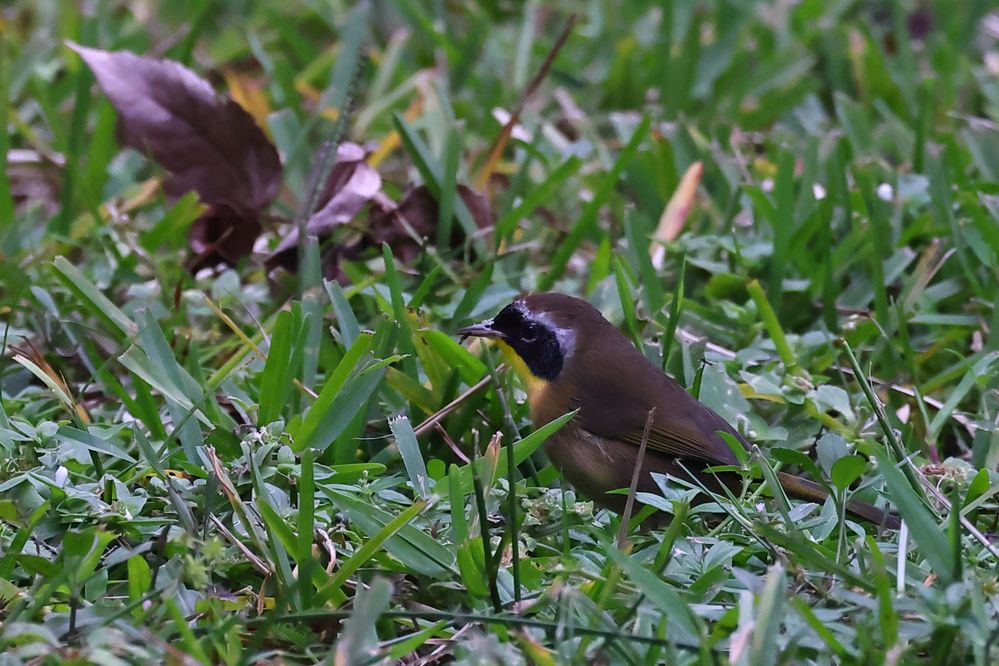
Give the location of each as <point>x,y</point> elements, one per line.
<point>223,457</point>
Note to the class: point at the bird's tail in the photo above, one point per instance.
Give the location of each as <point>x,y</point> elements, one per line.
<point>804,489</point>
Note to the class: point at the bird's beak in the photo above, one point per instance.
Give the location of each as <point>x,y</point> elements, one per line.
<point>481,330</point>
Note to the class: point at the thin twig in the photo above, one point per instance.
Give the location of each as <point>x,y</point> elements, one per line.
<point>622,534</point>
<point>499,143</point>
<point>437,654</point>
<point>451,444</point>
<point>429,423</point>
<point>257,563</point>
<point>327,543</point>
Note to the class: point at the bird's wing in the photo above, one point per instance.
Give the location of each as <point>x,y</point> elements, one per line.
<point>677,440</point>
<point>682,427</point>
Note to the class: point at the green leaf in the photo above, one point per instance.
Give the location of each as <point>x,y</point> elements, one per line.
<point>58,390</point>
<point>521,450</point>
<point>978,487</point>
<point>542,193</point>
<point>769,616</point>
<point>769,319</point>
<point>375,542</point>
<point>136,360</point>
<point>16,546</point>
<point>625,294</point>
<point>412,457</point>
<point>833,397</point>
<point>93,300</point>
<point>452,355</point>
<point>412,547</point>
<point>459,525</point>
<point>174,224</point>
<point>471,561</point>
<point>308,433</point>
<point>275,382</point>
<point>638,242</point>
<point>819,627</point>
<point>411,643</point>
<point>430,170</point>
<point>664,597</point>
<point>472,297</point>
<point>93,443</point>
<point>280,537</point>
<point>795,457</point>
<point>82,551</point>
<point>846,470</point>
<point>783,223</point>
<point>139,577</point>
<point>982,368</point>
<point>347,404</point>
<point>928,534</point>
<point>359,640</point>
<point>446,200</point>
<point>877,572</point>
<point>347,324</point>
<point>675,310</point>
<point>350,472</point>
<point>276,525</point>
<point>432,173</point>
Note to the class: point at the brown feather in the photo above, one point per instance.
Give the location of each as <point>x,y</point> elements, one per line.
<point>614,387</point>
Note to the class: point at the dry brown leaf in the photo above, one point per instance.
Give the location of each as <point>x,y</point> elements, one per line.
<point>675,214</point>
<point>206,142</point>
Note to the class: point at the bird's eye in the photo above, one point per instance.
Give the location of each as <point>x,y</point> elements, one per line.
<point>530,333</point>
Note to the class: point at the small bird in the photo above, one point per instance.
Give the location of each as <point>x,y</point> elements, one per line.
<point>569,356</point>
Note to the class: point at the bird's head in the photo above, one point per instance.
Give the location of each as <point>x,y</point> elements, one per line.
<point>538,334</point>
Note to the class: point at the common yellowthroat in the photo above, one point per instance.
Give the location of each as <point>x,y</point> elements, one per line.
<point>569,357</point>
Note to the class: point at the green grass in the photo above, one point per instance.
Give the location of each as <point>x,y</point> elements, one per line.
<point>224,469</point>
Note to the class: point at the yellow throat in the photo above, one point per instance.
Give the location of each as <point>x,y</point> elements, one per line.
<point>533,384</point>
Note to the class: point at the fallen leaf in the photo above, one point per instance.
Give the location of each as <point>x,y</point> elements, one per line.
<point>420,210</point>
<point>222,235</point>
<point>207,143</point>
<point>675,214</point>
<point>34,179</point>
<point>351,186</point>
<point>34,186</point>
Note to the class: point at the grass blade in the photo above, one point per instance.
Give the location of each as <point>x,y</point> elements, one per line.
<point>412,457</point>
<point>588,219</point>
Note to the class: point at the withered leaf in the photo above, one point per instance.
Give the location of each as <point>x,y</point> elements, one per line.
<point>354,187</point>
<point>32,182</point>
<point>351,185</point>
<point>220,235</point>
<point>207,142</point>
<point>675,214</point>
<point>421,212</point>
